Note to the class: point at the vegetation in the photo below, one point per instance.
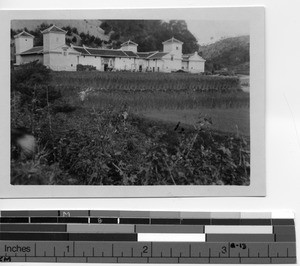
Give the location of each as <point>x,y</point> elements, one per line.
<point>37,33</point>
<point>101,138</point>
<point>72,36</point>
<point>230,53</point>
<point>131,81</point>
<point>149,34</point>
<point>80,67</point>
<point>90,40</point>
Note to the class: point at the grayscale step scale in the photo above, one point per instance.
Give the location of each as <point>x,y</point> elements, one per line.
<point>97,236</point>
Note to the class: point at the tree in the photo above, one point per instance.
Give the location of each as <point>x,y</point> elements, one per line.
<point>74,39</point>
<point>68,30</point>
<point>82,35</point>
<point>98,41</point>
<point>74,30</point>
<point>106,27</point>
<point>150,34</point>
<point>13,33</point>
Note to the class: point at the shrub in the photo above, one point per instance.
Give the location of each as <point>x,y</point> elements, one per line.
<point>31,83</point>
<point>33,73</point>
<point>74,39</point>
<point>85,67</point>
<point>32,96</point>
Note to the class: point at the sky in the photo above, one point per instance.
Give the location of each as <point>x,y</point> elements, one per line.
<point>208,31</point>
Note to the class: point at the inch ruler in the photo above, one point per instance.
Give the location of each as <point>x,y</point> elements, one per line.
<point>147,237</point>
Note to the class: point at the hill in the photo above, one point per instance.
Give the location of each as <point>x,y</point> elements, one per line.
<point>230,53</point>
<point>149,34</point>
<point>91,27</point>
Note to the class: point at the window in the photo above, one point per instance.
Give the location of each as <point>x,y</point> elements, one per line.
<point>71,64</point>
<point>65,53</point>
<point>177,47</point>
<point>172,57</point>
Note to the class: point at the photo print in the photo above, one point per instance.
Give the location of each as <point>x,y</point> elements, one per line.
<point>130,106</point>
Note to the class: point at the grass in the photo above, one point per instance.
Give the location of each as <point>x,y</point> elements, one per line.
<point>225,120</point>
<point>124,132</point>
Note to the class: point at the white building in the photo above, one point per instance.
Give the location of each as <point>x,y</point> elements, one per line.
<point>58,56</point>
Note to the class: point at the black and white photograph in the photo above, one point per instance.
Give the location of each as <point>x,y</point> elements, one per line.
<point>114,101</point>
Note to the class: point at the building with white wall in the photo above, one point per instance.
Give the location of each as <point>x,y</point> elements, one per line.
<point>58,56</point>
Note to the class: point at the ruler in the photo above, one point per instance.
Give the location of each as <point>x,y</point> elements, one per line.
<point>103,236</point>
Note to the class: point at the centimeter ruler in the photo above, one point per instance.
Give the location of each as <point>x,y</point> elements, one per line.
<point>147,237</point>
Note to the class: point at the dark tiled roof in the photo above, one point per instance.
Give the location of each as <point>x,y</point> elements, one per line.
<point>117,53</point>
<point>145,54</point>
<point>80,50</point>
<point>33,50</point>
<point>54,29</point>
<point>24,34</point>
<point>103,52</point>
<point>108,53</point>
<point>128,43</point>
<point>158,55</point>
<point>130,53</point>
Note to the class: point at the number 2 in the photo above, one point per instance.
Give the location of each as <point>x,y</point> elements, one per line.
<point>145,249</point>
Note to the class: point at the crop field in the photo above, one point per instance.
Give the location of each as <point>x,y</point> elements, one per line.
<point>165,97</point>
<point>120,128</point>
<point>135,81</point>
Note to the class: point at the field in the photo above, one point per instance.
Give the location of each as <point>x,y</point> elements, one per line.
<point>99,128</point>
<point>224,120</point>
<point>245,82</point>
